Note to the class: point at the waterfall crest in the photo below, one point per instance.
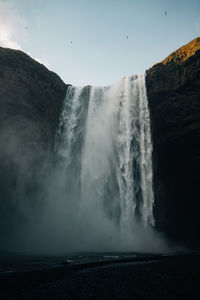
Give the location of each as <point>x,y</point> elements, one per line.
<point>104,142</point>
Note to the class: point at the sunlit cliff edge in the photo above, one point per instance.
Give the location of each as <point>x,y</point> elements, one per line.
<point>182,54</point>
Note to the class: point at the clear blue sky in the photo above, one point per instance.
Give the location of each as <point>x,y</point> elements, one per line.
<point>100,53</point>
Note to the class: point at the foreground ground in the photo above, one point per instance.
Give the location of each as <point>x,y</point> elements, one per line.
<point>175,277</point>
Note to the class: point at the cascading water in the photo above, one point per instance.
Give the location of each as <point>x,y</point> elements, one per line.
<point>104,141</point>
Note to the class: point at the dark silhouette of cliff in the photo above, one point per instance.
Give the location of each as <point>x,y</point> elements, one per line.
<point>31,98</point>
<point>173,87</point>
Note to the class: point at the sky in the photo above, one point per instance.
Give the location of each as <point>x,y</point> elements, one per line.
<point>98,42</point>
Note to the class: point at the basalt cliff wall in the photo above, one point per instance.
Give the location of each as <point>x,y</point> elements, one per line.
<point>31,99</point>
<point>173,88</point>
<point>29,94</point>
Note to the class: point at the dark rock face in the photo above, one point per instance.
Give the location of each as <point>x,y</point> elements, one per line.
<point>31,99</point>
<point>173,88</point>
<point>29,90</point>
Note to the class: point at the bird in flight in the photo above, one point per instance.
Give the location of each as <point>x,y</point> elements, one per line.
<point>165,12</point>
<point>127,36</point>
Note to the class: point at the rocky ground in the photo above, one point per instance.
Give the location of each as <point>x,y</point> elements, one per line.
<point>175,277</point>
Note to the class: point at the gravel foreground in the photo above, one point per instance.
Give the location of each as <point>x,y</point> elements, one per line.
<point>171,277</point>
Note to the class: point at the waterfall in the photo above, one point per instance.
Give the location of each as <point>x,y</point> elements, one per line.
<point>104,142</point>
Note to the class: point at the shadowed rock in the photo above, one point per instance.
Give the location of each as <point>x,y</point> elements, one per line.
<point>31,98</point>
<point>173,88</point>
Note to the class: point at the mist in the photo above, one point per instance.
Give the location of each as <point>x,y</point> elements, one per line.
<point>94,192</point>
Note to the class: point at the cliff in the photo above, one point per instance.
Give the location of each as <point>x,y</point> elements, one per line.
<point>29,91</point>
<point>31,98</point>
<point>173,88</point>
